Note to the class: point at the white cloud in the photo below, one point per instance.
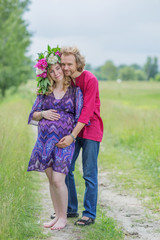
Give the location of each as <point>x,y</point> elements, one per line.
<point>123,31</point>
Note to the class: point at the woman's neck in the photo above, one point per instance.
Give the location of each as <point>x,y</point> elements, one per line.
<point>59,86</point>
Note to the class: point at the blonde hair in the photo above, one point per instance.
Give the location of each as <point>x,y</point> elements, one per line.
<point>66,84</point>
<point>80,60</point>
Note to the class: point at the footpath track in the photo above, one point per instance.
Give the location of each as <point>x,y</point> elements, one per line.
<point>136,221</point>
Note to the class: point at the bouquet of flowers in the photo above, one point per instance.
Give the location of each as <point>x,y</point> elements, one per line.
<point>52,56</point>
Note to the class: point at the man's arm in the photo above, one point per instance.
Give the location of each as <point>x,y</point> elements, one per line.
<point>67,140</point>
<point>86,113</point>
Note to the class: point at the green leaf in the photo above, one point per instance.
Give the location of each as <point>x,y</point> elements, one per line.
<point>38,78</point>
<point>48,82</point>
<point>41,55</point>
<point>59,59</point>
<point>49,49</point>
<point>40,90</point>
<point>45,83</point>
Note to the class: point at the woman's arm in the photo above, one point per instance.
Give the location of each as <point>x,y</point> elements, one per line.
<point>48,114</point>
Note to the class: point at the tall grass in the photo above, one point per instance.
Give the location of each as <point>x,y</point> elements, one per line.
<point>131,144</point>
<point>105,228</point>
<point>18,196</point>
<point>129,151</point>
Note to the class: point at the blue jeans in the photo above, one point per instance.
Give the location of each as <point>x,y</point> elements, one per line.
<point>90,150</point>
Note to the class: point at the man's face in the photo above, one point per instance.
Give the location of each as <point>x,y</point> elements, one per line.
<point>69,66</point>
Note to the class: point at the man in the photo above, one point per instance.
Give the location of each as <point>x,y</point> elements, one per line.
<point>87,133</point>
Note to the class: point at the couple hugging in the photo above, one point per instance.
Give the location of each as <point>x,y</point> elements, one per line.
<point>67,112</point>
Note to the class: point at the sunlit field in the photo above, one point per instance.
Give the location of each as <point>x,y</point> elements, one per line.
<point>19,190</point>
<point>19,204</point>
<point>130,150</point>
<point>130,153</point>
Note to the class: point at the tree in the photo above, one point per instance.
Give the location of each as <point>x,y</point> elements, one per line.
<point>109,71</point>
<point>127,73</point>
<point>88,67</point>
<point>135,66</point>
<point>140,75</point>
<point>151,67</point>
<point>97,72</point>
<point>157,77</point>
<point>154,67</point>
<point>122,66</point>
<point>15,66</point>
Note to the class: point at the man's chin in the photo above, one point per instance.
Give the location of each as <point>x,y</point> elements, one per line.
<point>67,74</point>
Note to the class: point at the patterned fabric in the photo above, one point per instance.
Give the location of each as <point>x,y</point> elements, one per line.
<point>45,154</point>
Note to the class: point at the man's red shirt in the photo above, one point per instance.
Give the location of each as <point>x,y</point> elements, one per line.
<point>90,113</point>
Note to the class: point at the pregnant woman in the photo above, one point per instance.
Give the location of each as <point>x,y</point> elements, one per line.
<point>56,112</point>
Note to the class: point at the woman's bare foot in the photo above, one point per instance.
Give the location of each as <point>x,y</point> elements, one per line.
<point>60,224</point>
<point>51,223</point>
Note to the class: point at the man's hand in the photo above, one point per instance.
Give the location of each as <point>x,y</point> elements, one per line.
<point>65,141</point>
<point>51,115</point>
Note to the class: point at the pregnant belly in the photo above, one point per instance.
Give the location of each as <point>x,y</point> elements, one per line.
<point>60,127</point>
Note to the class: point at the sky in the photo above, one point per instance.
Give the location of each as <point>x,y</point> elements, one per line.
<point>123,31</point>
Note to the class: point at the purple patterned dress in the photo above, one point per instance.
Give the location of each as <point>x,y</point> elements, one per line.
<point>45,154</point>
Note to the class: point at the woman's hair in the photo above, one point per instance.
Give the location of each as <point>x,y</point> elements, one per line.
<point>66,84</point>
<point>80,60</point>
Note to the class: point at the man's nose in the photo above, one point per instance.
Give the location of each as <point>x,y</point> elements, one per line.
<point>65,67</point>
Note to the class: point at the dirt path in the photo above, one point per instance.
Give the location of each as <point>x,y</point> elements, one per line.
<point>70,232</point>
<point>136,221</point>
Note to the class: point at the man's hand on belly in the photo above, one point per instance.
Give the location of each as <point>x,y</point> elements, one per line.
<point>65,141</point>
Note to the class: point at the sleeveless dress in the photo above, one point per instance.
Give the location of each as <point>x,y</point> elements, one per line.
<point>45,154</point>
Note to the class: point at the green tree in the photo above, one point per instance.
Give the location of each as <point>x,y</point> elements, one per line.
<point>109,71</point>
<point>88,67</point>
<point>127,73</point>
<point>151,67</point>
<point>157,77</point>
<point>121,66</point>
<point>15,66</point>
<point>140,75</point>
<point>154,67</point>
<point>97,72</point>
<point>135,66</point>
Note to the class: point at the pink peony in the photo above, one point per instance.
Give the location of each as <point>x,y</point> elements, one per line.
<point>43,75</point>
<point>58,53</point>
<point>41,64</point>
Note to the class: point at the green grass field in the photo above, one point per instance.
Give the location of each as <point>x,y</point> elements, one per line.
<point>130,152</point>
<point>130,149</point>
<point>18,189</point>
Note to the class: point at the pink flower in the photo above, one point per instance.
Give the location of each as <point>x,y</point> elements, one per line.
<point>58,53</point>
<point>43,75</point>
<point>41,64</point>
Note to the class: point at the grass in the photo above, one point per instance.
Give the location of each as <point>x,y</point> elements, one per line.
<point>130,149</point>
<point>105,228</point>
<point>129,152</point>
<point>18,190</point>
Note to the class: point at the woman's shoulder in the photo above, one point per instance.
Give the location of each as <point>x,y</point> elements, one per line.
<point>74,88</point>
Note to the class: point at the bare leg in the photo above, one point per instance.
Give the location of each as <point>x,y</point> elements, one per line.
<point>49,173</point>
<point>61,194</point>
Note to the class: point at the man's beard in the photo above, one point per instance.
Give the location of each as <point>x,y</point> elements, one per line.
<point>67,73</point>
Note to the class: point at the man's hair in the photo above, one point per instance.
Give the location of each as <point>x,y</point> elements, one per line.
<point>80,60</point>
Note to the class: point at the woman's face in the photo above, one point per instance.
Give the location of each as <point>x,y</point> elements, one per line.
<point>56,72</point>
